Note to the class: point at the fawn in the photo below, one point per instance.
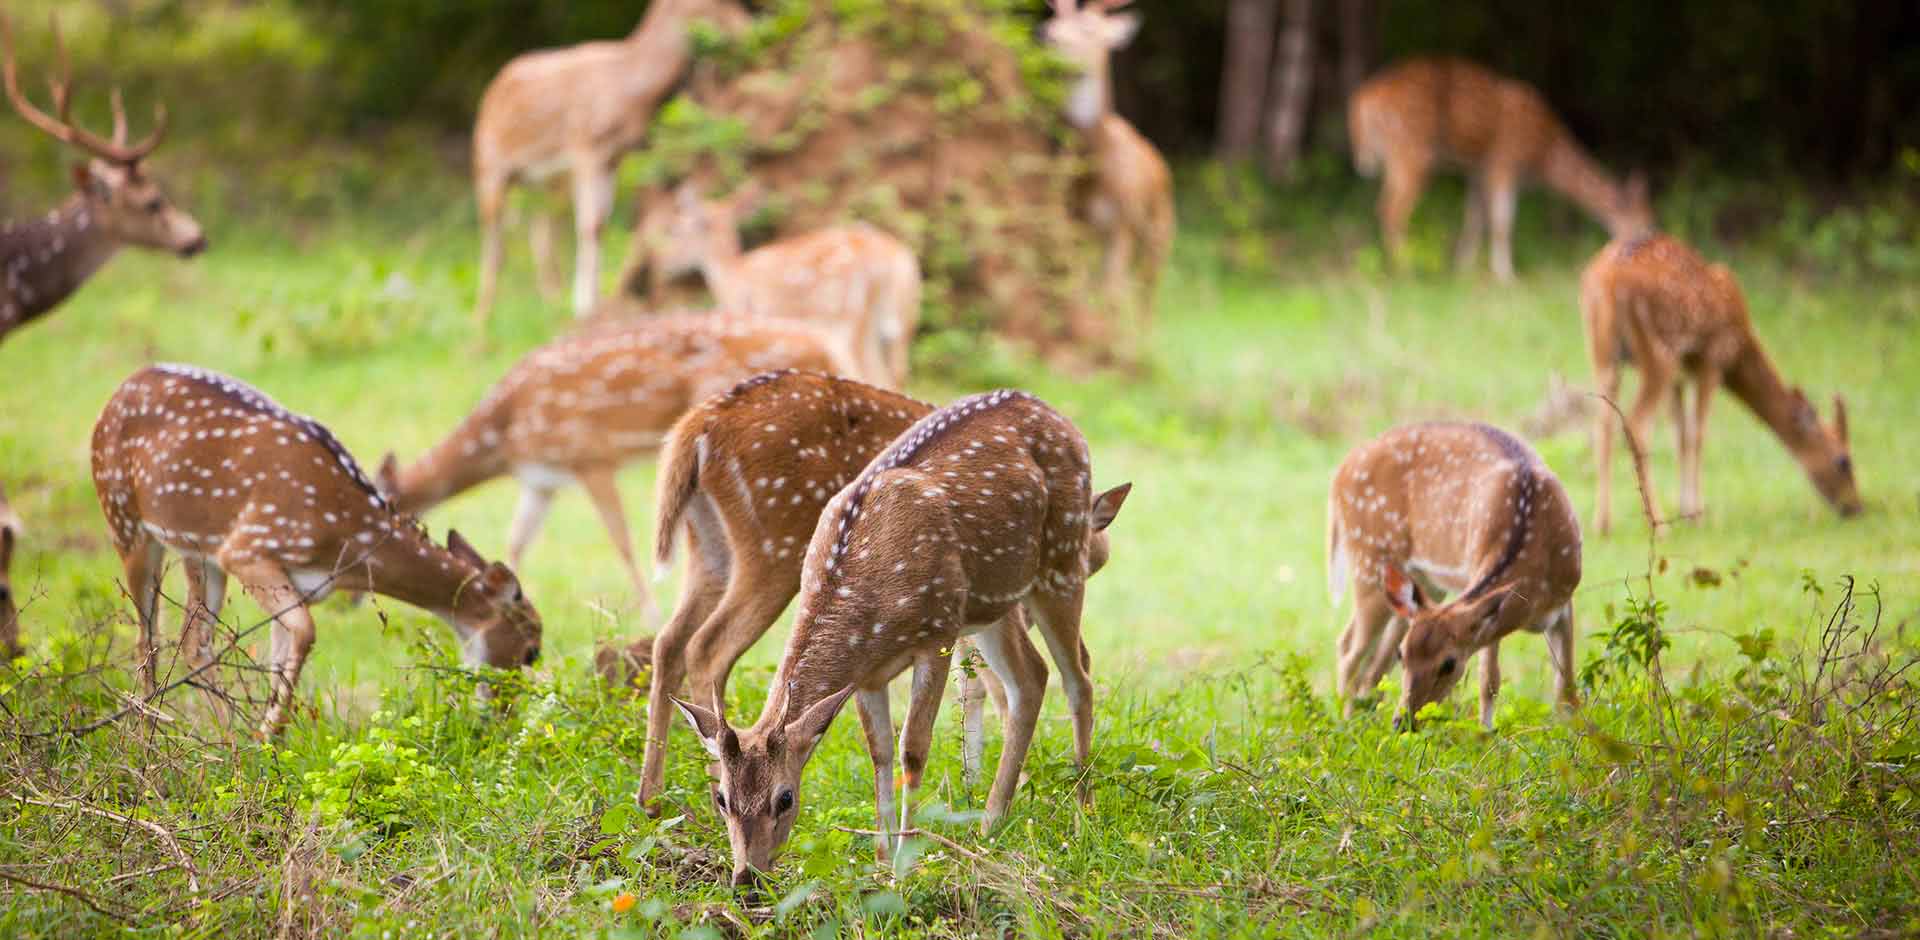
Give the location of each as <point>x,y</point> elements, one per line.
<point>1657,304</point>
<point>212,469</point>
<point>854,279</point>
<point>980,507</point>
<point>1428,112</point>
<point>745,475</point>
<point>1129,195</point>
<point>1469,509</point>
<point>581,407</point>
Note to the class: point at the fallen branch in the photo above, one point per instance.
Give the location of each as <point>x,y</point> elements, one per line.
<point>164,834</point>
<point>74,893</point>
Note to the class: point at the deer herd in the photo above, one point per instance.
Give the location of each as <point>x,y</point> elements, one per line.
<point>917,538</point>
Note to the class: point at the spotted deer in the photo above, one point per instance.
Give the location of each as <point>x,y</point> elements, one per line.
<point>114,204</point>
<point>745,476</point>
<point>1129,193</point>
<point>1655,303</point>
<point>578,110</point>
<point>9,611</point>
<point>1433,112</point>
<point>205,466</point>
<point>980,507</point>
<point>854,279</point>
<point>1461,508</point>
<point>583,406</point>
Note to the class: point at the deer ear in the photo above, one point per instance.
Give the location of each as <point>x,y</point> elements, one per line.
<point>1107,505</point>
<point>388,476</point>
<point>1402,593</point>
<point>6,547</point>
<point>500,584</point>
<point>1121,28</point>
<point>1840,420</point>
<point>457,544</point>
<point>711,728</point>
<point>813,723</point>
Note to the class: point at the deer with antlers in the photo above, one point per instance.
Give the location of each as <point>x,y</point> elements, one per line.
<point>1426,113</point>
<point>205,466</point>
<point>581,407</point>
<point>1655,303</point>
<point>745,477</point>
<point>854,279</point>
<point>1464,508</point>
<point>9,611</point>
<point>1130,189</point>
<point>115,202</point>
<point>578,111</point>
<point>980,507</point>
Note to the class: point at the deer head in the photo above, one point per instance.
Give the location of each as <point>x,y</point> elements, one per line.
<point>1439,638</point>
<point>757,772</point>
<point>1087,37</point>
<point>1825,453</point>
<point>123,201</point>
<point>697,232</point>
<point>496,623</point>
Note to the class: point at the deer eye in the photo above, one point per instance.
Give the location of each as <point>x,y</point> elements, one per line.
<point>1844,465</point>
<point>720,801</point>
<point>1447,666</point>
<point>782,802</point>
<point>154,206</point>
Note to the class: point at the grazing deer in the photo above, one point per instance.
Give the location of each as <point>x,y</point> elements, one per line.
<point>854,279</point>
<point>1425,113</point>
<point>1655,303</point>
<point>980,507</point>
<point>578,110</point>
<point>1131,189</point>
<point>115,203</point>
<point>9,613</point>
<point>583,406</point>
<point>213,469</point>
<point>1468,509</point>
<point>746,475</point>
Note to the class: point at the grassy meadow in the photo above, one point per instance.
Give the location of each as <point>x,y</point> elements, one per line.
<point>1755,778</point>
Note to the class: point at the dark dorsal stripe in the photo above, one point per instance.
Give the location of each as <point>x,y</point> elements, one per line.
<point>911,443</point>
<point>245,396</point>
<point>1526,486</point>
<point>752,382</point>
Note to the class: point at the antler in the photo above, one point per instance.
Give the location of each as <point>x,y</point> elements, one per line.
<point>61,127</point>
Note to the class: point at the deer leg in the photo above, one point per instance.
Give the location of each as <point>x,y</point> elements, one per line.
<point>1400,192</point>
<point>602,489</point>
<point>1385,653</point>
<point>541,237</point>
<point>1473,227</point>
<point>1559,635</point>
<point>1058,616</point>
<point>491,192</point>
<point>1503,192</point>
<point>529,513</point>
<point>1703,392</point>
<point>1656,379</point>
<point>142,563</point>
<point>698,599</point>
<point>1371,613</point>
<point>1489,683</point>
<point>877,721</point>
<point>972,691</point>
<point>292,633</point>
<point>1117,262</point>
<point>1607,378</point>
<point>916,732</point>
<point>752,602</point>
<point>1012,657</point>
<point>592,203</point>
<point>206,595</point>
<point>1683,444</point>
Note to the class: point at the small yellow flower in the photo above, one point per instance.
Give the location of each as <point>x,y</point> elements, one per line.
<point>623,902</point>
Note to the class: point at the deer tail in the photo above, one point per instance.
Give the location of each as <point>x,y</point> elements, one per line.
<point>680,463</point>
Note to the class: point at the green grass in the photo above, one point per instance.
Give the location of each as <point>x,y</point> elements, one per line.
<point>1231,799</point>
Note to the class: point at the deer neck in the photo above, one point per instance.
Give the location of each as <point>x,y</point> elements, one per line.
<point>408,567</point>
<point>1571,172</point>
<point>1090,99</point>
<point>43,260</point>
<point>1758,385</point>
<point>814,667</point>
<point>470,456</point>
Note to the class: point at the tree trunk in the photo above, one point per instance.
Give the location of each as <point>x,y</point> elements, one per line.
<point>1359,23</point>
<point>1243,76</point>
<point>1292,88</point>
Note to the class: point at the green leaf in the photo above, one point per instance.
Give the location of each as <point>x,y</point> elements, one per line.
<point>884,903</point>
<point>614,820</point>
